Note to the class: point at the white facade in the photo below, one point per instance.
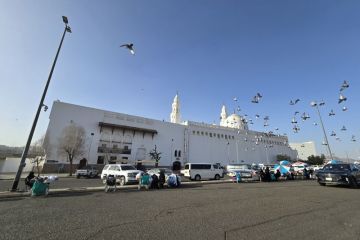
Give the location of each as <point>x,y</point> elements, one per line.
<point>119,137</point>
<point>304,149</point>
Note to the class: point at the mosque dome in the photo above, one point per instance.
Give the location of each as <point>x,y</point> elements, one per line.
<point>235,121</point>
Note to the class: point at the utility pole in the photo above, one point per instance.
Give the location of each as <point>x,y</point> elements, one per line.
<point>41,104</point>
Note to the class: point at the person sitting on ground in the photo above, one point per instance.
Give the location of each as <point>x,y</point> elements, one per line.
<point>172,180</point>
<point>277,174</point>
<point>30,179</point>
<point>154,182</point>
<point>262,175</point>
<point>306,174</point>
<point>161,179</point>
<point>267,174</point>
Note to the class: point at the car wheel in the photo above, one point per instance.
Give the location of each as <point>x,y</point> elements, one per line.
<point>322,184</point>
<point>217,177</point>
<point>353,183</point>
<point>197,178</point>
<point>122,181</point>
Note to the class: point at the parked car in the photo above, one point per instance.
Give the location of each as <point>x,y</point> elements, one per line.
<point>339,174</point>
<point>87,171</point>
<point>124,173</point>
<point>247,171</point>
<point>199,171</point>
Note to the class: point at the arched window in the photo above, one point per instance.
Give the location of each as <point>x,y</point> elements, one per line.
<point>179,153</point>
<point>175,154</point>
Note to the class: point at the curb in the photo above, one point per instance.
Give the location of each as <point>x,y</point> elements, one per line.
<point>9,194</point>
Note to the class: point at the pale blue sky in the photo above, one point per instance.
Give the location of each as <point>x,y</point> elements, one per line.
<point>209,51</point>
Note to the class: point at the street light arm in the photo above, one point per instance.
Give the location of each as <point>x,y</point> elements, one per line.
<point>27,146</point>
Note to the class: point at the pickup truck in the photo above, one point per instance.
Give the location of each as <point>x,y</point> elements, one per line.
<point>87,171</point>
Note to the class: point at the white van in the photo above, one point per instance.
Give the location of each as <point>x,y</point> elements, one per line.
<point>200,171</point>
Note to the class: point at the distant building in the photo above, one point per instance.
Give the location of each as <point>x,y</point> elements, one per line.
<point>304,149</point>
<point>117,137</point>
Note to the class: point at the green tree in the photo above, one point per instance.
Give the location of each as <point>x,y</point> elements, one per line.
<point>155,155</point>
<point>316,160</point>
<point>282,157</point>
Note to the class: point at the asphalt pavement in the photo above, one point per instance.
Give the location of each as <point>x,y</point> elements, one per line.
<point>279,210</point>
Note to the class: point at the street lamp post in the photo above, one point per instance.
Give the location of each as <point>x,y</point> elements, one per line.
<point>27,146</point>
<point>315,104</point>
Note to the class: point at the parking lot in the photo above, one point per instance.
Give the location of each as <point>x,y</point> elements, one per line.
<point>277,210</point>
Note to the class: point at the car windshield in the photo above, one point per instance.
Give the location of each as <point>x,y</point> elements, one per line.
<point>128,167</point>
<point>338,167</point>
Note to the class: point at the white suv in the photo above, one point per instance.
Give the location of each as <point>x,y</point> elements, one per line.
<point>124,173</point>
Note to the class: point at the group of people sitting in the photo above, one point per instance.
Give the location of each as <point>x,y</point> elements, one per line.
<point>39,185</point>
<point>268,176</point>
<point>157,182</point>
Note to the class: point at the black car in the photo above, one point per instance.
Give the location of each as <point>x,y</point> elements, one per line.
<point>339,174</point>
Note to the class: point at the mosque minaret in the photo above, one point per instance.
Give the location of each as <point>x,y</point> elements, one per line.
<point>175,113</point>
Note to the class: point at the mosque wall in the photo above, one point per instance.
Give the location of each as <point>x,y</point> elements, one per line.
<point>117,137</point>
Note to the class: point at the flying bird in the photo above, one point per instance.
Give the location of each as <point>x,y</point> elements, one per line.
<point>324,143</point>
<point>294,102</point>
<point>337,138</point>
<point>322,103</point>
<point>343,128</point>
<point>344,85</point>
<point>344,109</point>
<point>353,138</point>
<point>266,118</point>
<point>293,121</point>
<point>130,47</point>
<point>256,98</point>
<point>238,109</point>
<point>342,98</point>
<point>257,116</point>
<point>331,113</point>
<point>315,124</point>
<point>305,116</point>
<point>235,99</point>
<point>276,129</point>
<point>333,134</point>
<point>266,123</point>
<point>296,129</point>
<point>296,113</point>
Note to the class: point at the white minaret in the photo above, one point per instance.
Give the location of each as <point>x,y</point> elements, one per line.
<point>223,116</point>
<point>175,113</point>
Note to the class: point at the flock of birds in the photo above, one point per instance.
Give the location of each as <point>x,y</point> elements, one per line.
<point>304,116</point>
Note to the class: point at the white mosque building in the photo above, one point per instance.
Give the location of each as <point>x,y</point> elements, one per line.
<point>121,138</point>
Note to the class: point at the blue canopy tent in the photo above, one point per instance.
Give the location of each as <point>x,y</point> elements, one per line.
<point>285,162</point>
<point>282,168</point>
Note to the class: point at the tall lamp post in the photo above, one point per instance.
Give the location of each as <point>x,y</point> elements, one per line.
<point>316,105</point>
<point>27,146</point>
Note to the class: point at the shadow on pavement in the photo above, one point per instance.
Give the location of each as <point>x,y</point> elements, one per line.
<point>68,194</point>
